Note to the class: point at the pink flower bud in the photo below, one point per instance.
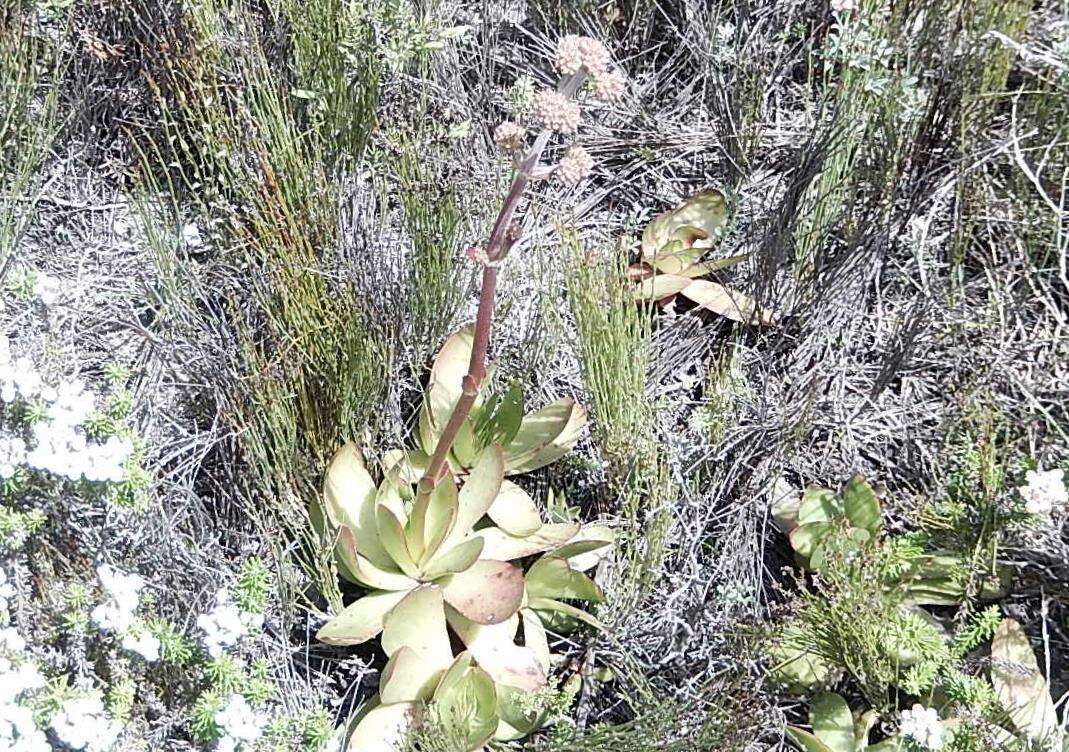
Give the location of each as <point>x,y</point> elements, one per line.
<point>575,165</point>
<point>552,110</point>
<point>509,137</point>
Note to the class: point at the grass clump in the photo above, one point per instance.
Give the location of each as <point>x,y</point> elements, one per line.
<point>614,345</point>
<point>28,121</point>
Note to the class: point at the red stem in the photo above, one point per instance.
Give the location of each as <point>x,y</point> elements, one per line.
<point>502,237</point>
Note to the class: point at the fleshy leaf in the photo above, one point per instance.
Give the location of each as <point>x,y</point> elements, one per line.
<point>729,303</point>
<point>706,211</point>
<point>432,519</point>
<point>551,604</point>
<point>418,622</point>
<point>1020,685</point>
<point>408,677</point>
<point>392,535</point>
<point>588,547</point>
<point>466,705</point>
<point>861,505</point>
<point>477,494</point>
<point>349,499</point>
<point>545,435</point>
<point>359,621</point>
<point>534,637</point>
<point>551,577</point>
<point>500,546</point>
<point>660,286</point>
<point>832,722</point>
<point>806,741</point>
<point>494,648</point>
<point>488,592</point>
<point>460,557</point>
<point>819,505</point>
<point>786,503</point>
<point>445,385</point>
<point>368,574</point>
<point>805,538</point>
<point>384,728</point>
<point>514,511</point>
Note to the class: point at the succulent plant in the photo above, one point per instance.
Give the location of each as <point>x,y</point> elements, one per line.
<point>854,517</point>
<point>444,567</point>
<point>820,512</point>
<point>529,441</point>
<point>670,263</point>
<point>837,729</point>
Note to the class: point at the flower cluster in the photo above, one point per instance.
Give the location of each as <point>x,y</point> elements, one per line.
<point>60,445</point>
<point>118,612</point>
<point>574,166</point>
<point>577,54</point>
<point>226,624</point>
<point>509,137</point>
<point>923,726</point>
<point>1043,491</point>
<point>555,110</point>
<point>239,724</point>
<point>18,729</point>
<point>82,723</point>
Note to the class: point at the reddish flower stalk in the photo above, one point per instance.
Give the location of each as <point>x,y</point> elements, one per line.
<point>503,236</point>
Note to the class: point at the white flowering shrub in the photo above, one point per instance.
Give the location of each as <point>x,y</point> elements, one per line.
<point>64,432</point>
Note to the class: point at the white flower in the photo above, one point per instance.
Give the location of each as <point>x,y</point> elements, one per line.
<point>509,137</point>
<point>574,165</point>
<point>17,680</point>
<point>1043,491</point>
<point>226,624</point>
<point>139,640</point>
<point>82,723</point>
<point>123,593</point>
<point>552,110</point>
<point>923,726</point>
<point>238,723</point>
<point>11,641</point>
<point>191,235</point>
<point>843,6</point>
<point>19,732</point>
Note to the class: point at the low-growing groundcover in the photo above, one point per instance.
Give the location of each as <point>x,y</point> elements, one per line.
<point>552,375</point>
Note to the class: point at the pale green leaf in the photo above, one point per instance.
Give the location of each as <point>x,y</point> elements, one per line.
<point>418,622</point>
<point>460,557</point>
<point>545,436</point>
<point>551,577</point>
<point>832,722</point>
<point>861,505</point>
<point>360,620</point>
<point>408,677</point>
<point>729,303</point>
<point>514,511</point>
<point>495,649</point>
<point>349,499</point>
<point>500,546</point>
<point>384,728</point>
